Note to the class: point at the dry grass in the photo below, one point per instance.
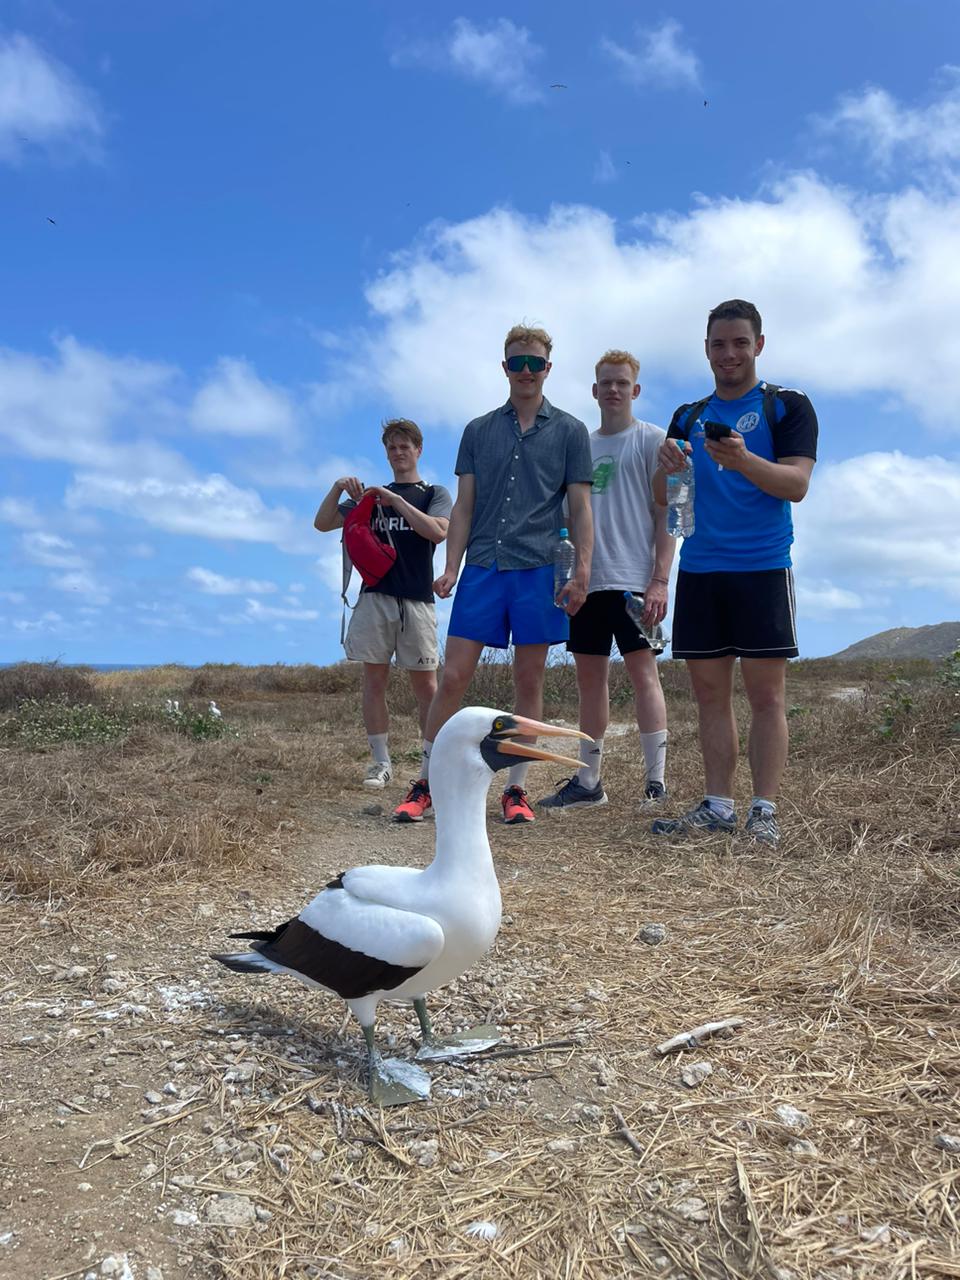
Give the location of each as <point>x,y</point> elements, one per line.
<point>840,951</point>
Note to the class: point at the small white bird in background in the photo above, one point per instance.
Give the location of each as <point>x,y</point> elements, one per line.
<point>214,711</point>
<point>397,933</point>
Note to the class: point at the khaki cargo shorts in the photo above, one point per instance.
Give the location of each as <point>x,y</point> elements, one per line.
<point>382,626</point>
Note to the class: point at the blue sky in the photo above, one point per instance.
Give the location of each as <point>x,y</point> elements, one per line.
<point>272,228</point>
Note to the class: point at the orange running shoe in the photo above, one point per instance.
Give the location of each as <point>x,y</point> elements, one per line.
<point>417,805</point>
<point>515,806</point>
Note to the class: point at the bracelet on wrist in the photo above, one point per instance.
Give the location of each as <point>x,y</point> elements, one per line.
<point>665,581</point>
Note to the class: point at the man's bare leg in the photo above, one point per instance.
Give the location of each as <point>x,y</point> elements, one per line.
<point>712,682</point>
<point>765,682</point>
<point>424,687</point>
<point>375,717</point>
<point>459,663</point>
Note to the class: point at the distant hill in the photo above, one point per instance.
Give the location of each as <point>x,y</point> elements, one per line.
<point>935,642</point>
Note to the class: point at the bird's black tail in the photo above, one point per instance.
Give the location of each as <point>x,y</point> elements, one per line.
<point>246,962</point>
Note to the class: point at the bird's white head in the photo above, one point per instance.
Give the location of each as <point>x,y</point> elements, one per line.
<point>489,738</point>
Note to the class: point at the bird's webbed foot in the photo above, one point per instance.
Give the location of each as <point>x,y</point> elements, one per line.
<point>473,1040</point>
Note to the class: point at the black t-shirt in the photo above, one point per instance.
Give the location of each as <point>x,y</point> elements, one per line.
<point>411,577</point>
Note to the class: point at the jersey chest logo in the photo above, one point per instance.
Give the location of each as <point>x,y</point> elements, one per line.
<point>748,422</point>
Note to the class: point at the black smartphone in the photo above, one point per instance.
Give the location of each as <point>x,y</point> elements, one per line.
<point>716,430</point>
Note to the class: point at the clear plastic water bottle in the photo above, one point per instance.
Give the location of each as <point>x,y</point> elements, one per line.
<point>680,496</point>
<point>564,562</point>
<point>655,636</point>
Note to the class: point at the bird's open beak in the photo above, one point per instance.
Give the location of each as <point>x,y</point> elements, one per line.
<point>536,729</point>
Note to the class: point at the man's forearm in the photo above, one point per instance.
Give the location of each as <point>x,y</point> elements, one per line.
<point>583,539</point>
<point>328,516</point>
<point>428,527</point>
<point>664,546</point>
<point>777,479</point>
<point>658,487</point>
<point>458,534</point>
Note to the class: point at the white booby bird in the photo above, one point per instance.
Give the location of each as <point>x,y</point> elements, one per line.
<point>397,933</point>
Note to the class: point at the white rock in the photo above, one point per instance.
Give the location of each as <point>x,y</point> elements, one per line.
<point>425,1152</point>
<point>371,1228</point>
<point>694,1075</point>
<point>561,1146</point>
<point>693,1209</point>
<point>791,1116</point>
<point>84,1186</point>
<point>653,934</point>
<point>154,1273</point>
<point>111,986</point>
<point>591,1113</point>
<point>153,1097</point>
<point>230,1211</point>
<point>802,1147</point>
<point>184,1218</point>
<point>170,1089</point>
<point>947,1142</point>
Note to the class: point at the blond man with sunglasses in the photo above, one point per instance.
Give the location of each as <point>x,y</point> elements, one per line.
<point>516,466</point>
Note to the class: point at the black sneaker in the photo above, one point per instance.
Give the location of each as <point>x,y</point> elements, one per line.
<point>762,825</point>
<point>654,793</point>
<point>702,818</point>
<point>571,794</point>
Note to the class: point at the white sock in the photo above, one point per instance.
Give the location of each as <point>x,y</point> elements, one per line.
<point>723,805</point>
<point>378,745</point>
<point>517,776</point>
<point>654,754</point>
<point>425,759</point>
<point>591,755</point>
<point>759,802</point>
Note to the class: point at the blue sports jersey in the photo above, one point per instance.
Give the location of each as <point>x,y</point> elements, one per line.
<point>739,528</point>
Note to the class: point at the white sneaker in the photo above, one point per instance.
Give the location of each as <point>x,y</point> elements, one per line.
<point>377,776</point>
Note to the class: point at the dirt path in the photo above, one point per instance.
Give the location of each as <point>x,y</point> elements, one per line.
<point>163,1117</point>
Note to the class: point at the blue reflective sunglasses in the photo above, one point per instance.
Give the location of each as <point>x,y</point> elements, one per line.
<point>536,364</point>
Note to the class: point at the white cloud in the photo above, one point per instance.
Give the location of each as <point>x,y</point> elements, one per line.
<point>43,105</point>
<point>13,597</point>
<point>211,507</point>
<point>83,584</point>
<point>51,551</point>
<point>19,512</point>
<point>216,584</point>
<point>887,129</point>
<point>820,599</point>
<point>47,621</point>
<point>879,521</point>
<point>238,403</point>
<point>255,611</point>
<point>659,60</point>
<point>841,284</point>
<point>499,55</point>
<point>605,170</point>
<point>72,407</point>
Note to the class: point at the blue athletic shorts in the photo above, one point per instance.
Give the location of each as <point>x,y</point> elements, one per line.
<point>499,607</point>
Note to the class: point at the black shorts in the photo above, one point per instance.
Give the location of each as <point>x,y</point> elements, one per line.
<point>601,619</point>
<point>748,615</point>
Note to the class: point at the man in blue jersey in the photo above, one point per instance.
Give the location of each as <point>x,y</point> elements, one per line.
<point>753,453</point>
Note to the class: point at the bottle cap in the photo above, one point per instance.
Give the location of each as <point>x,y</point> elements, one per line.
<point>563,533</point>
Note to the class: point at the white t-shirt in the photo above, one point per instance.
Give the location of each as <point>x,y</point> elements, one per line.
<point>623,505</point>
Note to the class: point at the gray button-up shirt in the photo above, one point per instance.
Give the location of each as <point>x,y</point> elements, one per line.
<point>521,478</point>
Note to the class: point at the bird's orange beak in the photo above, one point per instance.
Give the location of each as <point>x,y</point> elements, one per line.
<point>537,729</point>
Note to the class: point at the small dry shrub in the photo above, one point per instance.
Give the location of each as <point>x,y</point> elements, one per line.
<point>230,679</point>
<point>39,681</point>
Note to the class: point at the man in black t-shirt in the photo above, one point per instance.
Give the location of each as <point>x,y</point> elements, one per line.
<point>396,618</point>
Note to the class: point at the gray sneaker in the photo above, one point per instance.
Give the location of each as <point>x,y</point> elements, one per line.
<point>571,795</point>
<point>654,793</point>
<point>762,825</point>
<point>702,818</point>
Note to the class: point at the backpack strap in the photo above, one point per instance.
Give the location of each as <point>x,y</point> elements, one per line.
<point>770,393</point>
<point>693,412</point>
